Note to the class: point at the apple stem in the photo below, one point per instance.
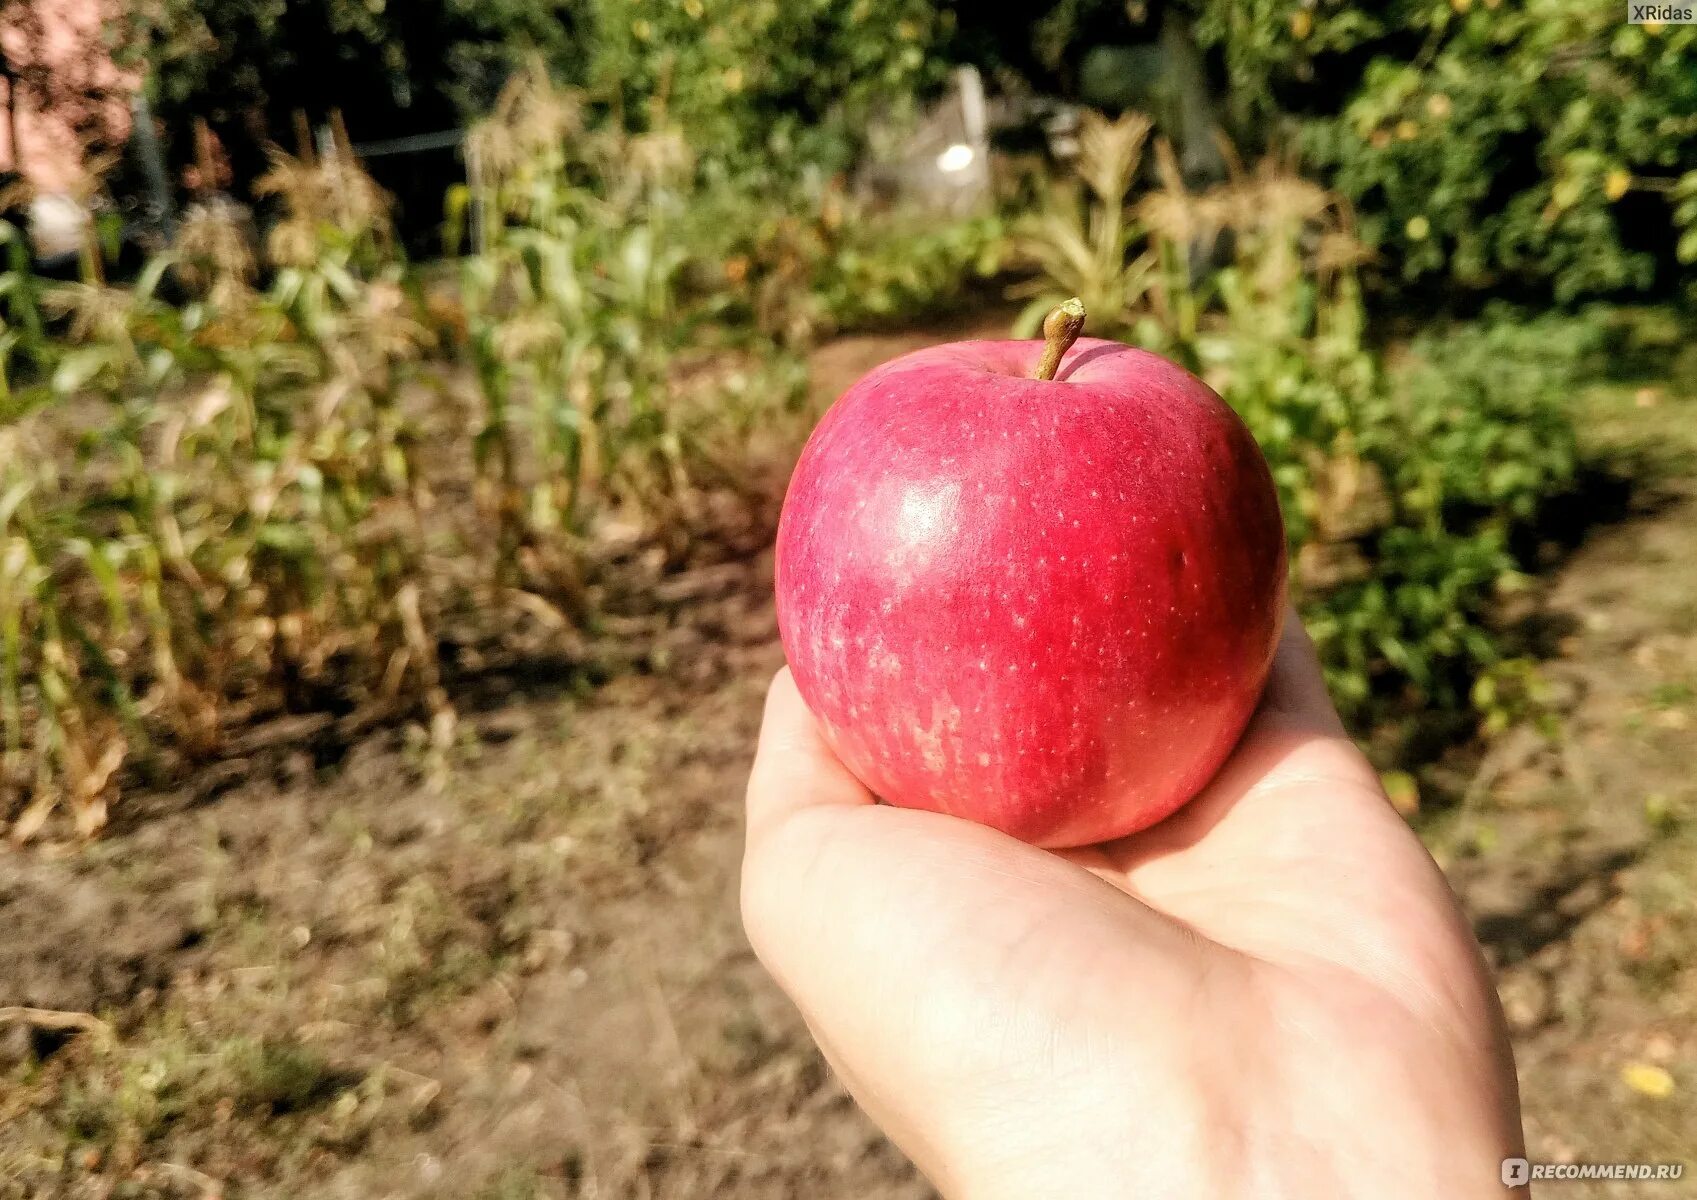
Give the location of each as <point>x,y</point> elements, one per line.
<point>1061,328</point>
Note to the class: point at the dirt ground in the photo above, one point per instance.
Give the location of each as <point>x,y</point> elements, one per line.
<point>525,979</point>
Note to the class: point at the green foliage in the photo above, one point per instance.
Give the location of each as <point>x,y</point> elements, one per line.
<point>904,266</point>
<point>1490,411</point>
<point>1085,243</point>
<point>224,59</point>
<point>779,83</point>
<point>1490,143</point>
<point>1466,444</point>
<point>816,265</point>
<point>771,87</point>
<point>1402,489</point>
<point>1410,529</point>
<point>1545,146</point>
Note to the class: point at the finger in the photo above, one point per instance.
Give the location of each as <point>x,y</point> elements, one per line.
<point>1296,735</point>
<point>1296,686</point>
<point>1293,760</point>
<point>794,768</point>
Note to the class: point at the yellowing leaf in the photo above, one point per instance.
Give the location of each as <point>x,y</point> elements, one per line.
<point>1403,791</point>
<point>1301,23</point>
<point>1617,183</point>
<point>1566,192</point>
<point>1647,1080</point>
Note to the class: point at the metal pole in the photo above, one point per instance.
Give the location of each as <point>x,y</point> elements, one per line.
<point>975,118</point>
<point>474,177</point>
<point>303,137</point>
<point>161,212</point>
<point>330,161</point>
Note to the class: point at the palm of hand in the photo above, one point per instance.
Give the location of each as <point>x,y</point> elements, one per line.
<point>1271,993</point>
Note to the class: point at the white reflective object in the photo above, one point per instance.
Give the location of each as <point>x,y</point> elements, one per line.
<point>957,157</point>
<point>58,225</point>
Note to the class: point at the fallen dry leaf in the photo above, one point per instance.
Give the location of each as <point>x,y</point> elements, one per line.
<point>1647,1080</point>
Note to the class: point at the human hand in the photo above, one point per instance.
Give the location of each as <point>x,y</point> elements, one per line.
<point>1273,993</point>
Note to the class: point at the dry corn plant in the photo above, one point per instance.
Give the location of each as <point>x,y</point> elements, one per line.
<point>573,320</point>
<point>217,254</point>
<point>1253,282</point>
<point>233,509</point>
<point>1288,241</point>
<point>340,528</point>
<point>330,203</point>
<point>1088,242</point>
<point>62,741</point>
<point>1134,257</point>
<point>1277,328</point>
<point>244,531</point>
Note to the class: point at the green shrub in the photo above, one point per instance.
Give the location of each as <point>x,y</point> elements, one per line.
<point>25,349</point>
<point>765,84</point>
<point>810,267</point>
<point>1531,144</point>
<point>1466,443</point>
<point>1402,488</point>
<point>903,267</point>
<point>1540,146</point>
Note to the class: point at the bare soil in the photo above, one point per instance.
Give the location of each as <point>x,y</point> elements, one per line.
<point>346,976</point>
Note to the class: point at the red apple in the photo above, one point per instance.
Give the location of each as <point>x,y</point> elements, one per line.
<point>1044,603</point>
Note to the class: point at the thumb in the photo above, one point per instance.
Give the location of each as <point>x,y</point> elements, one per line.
<point>794,768</point>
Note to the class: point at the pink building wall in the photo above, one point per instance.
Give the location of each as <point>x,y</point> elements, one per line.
<point>70,92</point>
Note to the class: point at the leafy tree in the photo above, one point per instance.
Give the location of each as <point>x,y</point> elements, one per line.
<point>761,88</point>
<point>1493,144</point>
<point>763,82</point>
<point>246,66</point>
<point>1538,146</point>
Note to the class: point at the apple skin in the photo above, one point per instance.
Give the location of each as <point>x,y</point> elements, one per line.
<point>1046,606</point>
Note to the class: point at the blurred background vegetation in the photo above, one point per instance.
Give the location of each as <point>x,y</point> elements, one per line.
<point>396,398</point>
<point>1541,149</point>
<point>351,427</point>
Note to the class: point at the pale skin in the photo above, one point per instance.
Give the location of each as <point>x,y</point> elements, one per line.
<point>1271,994</point>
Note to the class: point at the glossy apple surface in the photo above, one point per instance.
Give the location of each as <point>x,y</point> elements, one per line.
<point>1047,606</point>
